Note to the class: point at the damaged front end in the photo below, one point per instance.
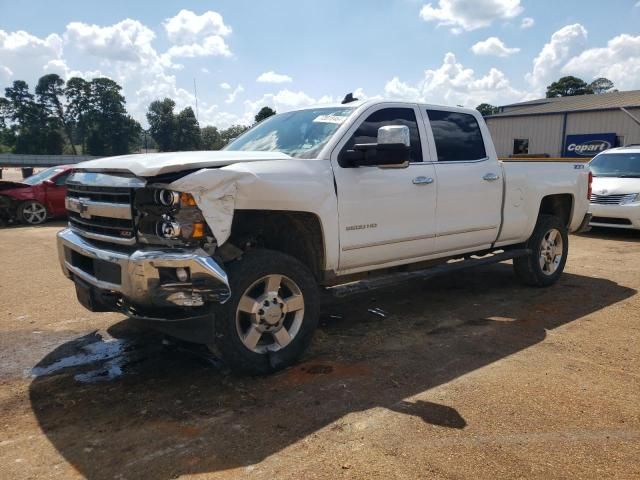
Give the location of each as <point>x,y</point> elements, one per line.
<point>141,246</point>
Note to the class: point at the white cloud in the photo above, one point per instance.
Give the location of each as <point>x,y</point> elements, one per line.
<point>187,27</point>
<point>567,42</point>
<point>470,14</point>
<point>25,56</point>
<point>454,84</point>
<point>619,61</point>
<point>232,95</point>
<point>527,22</point>
<point>273,77</point>
<point>493,46</point>
<point>210,46</point>
<point>125,41</point>
<point>225,86</point>
<point>197,35</point>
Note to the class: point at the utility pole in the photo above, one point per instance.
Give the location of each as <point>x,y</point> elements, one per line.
<point>195,93</point>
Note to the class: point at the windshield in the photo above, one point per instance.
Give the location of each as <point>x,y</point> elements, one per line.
<point>300,134</point>
<point>42,176</point>
<point>616,165</point>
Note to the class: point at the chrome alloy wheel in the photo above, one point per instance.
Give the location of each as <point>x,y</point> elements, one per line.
<point>34,213</point>
<point>551,249</point>
<point>270,313</point>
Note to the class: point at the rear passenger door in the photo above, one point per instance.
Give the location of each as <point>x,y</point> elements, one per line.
<point>469,182</point>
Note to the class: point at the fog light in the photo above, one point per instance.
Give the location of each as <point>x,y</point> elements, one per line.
<point>182,274</point>
<point>168,229</point>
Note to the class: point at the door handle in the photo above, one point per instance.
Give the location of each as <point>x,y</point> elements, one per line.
<point>491,177</point>
<point>422,180</point>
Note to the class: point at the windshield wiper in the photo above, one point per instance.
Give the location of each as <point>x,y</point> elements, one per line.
<point>629,176</point>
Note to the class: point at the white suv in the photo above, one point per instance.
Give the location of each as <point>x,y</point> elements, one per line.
<point>615,201</point>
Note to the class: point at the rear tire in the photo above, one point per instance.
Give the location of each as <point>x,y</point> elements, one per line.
<point>549,245</point>
<point>269,321</point>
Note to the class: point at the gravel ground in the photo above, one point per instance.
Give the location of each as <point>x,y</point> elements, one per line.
<point>465,376</point>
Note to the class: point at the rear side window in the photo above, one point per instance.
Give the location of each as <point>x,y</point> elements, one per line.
<point>367,132</point>
<point>457,136</point>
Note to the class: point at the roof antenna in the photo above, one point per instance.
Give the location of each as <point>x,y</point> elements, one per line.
<point>348,98</point>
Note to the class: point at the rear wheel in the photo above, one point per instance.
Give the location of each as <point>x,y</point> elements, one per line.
<point>32,212</point>
<point>269,321</point>
<point>549,245</point>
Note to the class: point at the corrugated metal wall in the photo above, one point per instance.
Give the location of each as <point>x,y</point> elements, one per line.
<point>545,131</point>
<point>611,121</point>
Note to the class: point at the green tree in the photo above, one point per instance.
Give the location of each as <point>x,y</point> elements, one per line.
<point>264,113</point>
<point>601,85</point>
<point>187,131</point>
<point>110,130</point>
<point>232,132</point>
<point>487,109</point>
<point>32,129</point>
<point>78,93</point>
<point>211,138</point>
<point>162,124</point>
<point>49,90</point>
<point>568,87</point>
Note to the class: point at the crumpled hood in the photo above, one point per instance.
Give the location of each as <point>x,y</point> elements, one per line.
<point>152,164</point>
<point>9,185</point>
<point>615,186</point>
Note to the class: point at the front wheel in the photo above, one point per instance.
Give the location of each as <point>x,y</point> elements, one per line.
<point>269,321</point>
<point>549,245</point>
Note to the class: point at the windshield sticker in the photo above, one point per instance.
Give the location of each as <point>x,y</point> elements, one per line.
<point>337,119</point>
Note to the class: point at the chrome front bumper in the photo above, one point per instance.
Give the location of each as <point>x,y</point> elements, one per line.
<point>143,277</point>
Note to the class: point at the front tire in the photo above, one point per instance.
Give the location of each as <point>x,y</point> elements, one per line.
<point>269,321</point>
<point>549,245</point>
<point>32,212</point>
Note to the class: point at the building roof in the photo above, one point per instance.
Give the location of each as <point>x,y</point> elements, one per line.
<point>578,103</point>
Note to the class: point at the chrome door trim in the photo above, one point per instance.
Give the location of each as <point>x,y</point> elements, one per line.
<point>387,242</point>
<point>411,239</point>
<point>468,230</point>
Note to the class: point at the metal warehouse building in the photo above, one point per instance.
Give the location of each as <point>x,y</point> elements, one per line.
<point>579,126</point>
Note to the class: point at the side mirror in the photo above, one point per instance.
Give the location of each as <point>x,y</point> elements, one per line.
<point>392,150</point>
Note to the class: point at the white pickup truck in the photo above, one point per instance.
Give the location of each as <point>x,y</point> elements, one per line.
<point>232,248</point>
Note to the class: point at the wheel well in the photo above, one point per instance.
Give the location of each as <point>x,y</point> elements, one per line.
<point>298,234</point>
<point>560,205</point>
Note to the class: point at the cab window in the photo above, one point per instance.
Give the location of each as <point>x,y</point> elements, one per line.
<point>457,136</point>
<point>367,132</point>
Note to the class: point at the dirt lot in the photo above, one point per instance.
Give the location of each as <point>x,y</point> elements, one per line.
<point>466,376</point>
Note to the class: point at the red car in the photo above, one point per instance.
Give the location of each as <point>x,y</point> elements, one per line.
<point>36,198</point>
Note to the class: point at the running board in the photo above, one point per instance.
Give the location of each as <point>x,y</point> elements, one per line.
<point>392,279</point>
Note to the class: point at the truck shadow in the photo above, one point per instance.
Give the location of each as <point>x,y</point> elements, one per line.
<point>162,411</point>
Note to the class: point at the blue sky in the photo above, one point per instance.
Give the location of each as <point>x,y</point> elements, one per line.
<point>459,52</point>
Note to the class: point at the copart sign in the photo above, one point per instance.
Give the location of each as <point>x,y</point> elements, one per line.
<point>588,145</point>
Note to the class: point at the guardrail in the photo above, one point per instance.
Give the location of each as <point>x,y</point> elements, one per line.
<point>25,161</point>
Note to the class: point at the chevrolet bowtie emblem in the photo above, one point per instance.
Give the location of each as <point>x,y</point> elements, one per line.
<point>83,208</point>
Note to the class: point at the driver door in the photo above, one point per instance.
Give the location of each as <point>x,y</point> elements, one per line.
<point>386,215</point>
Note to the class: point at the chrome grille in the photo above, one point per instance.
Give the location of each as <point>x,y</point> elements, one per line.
<point>100,211</point>
<point>612,199</point>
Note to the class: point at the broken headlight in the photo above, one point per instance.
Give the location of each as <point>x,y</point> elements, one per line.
<point>169,217</point>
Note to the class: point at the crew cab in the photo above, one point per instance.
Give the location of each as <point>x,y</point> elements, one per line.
<point>615,201</point>
<point>36,198</point>
<point>233,248</point>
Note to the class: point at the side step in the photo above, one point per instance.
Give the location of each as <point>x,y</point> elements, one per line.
<point>384,281</point>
